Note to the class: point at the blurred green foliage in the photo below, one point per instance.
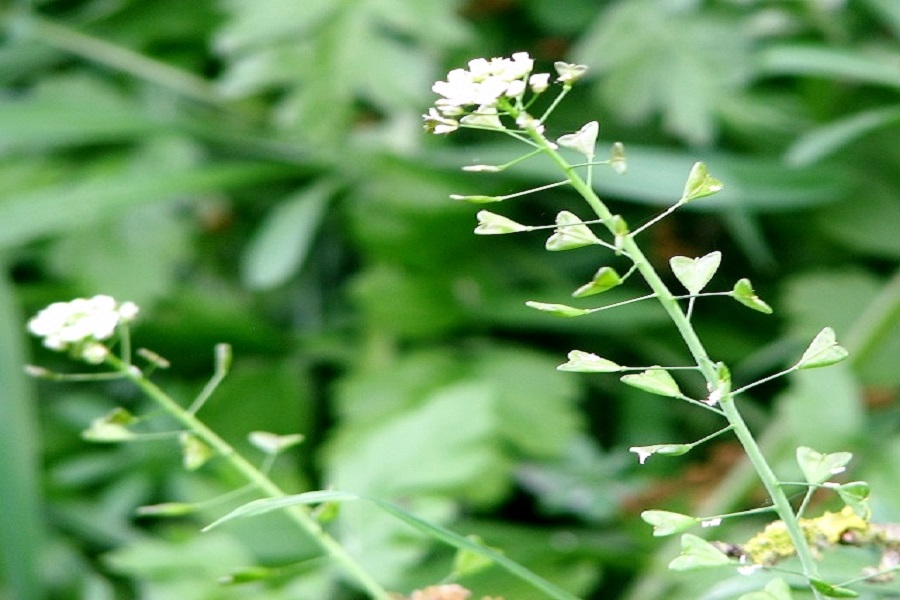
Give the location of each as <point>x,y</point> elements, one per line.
<point>255,173</point>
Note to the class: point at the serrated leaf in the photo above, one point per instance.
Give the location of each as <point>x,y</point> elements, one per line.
<point>697,553</point>
<point>654,380</point>
<point>817,467</point>
<point>832,591</point>
<point>560,310</point>
<point>571,233</point>
<point>743,293</point>
<point>695,273</point>
<point>284,239</point>
<point>604,279</point>
<point>585,362</point>
<point>823,351</point>
<point>666,523</point>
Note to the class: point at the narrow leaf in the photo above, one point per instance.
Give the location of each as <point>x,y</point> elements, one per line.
<point>585,362</point>
<point>23,550</point>
<point>823,351</point>
<point>49,210</point>
<point>830,138</point>
<point>606,278</point>
<point>833,62</point>
<point>695,273</point>
<point>655,380</point>
<point>281,243</point>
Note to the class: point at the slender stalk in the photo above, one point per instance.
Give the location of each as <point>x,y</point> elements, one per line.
<point>297,513</point>
<point>121,59</point>
<point>698,351</point>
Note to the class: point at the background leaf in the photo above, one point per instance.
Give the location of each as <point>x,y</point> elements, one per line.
<point>284,239</point>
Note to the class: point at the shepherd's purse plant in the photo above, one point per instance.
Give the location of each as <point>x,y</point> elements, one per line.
<point>502,96</point>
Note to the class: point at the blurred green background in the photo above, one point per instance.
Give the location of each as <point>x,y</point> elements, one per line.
<point>255,172</point>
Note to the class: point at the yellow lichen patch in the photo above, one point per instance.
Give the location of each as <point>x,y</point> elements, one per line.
<point>833,525</point>
<point>774,544</point>
<point>771,545</point>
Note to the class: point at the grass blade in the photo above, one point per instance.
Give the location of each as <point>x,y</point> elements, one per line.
<point>21,526</point>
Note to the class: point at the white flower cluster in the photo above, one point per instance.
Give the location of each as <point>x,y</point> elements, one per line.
<point>81,324</point>
<point>491,86</point>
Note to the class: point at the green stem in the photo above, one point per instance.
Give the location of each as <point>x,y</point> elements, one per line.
<point>299,514</point>
<point>698,351</point>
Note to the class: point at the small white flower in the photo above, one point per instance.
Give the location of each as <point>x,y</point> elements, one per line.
<point>437,124</point>
<point>569,73</point>
<point>485,84</point>
<point>517,68</point>
<point>480,67</point>
<point>81,324</point>
<point>515,88</point>
<point>539,82</point>
<point>128,311</point>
